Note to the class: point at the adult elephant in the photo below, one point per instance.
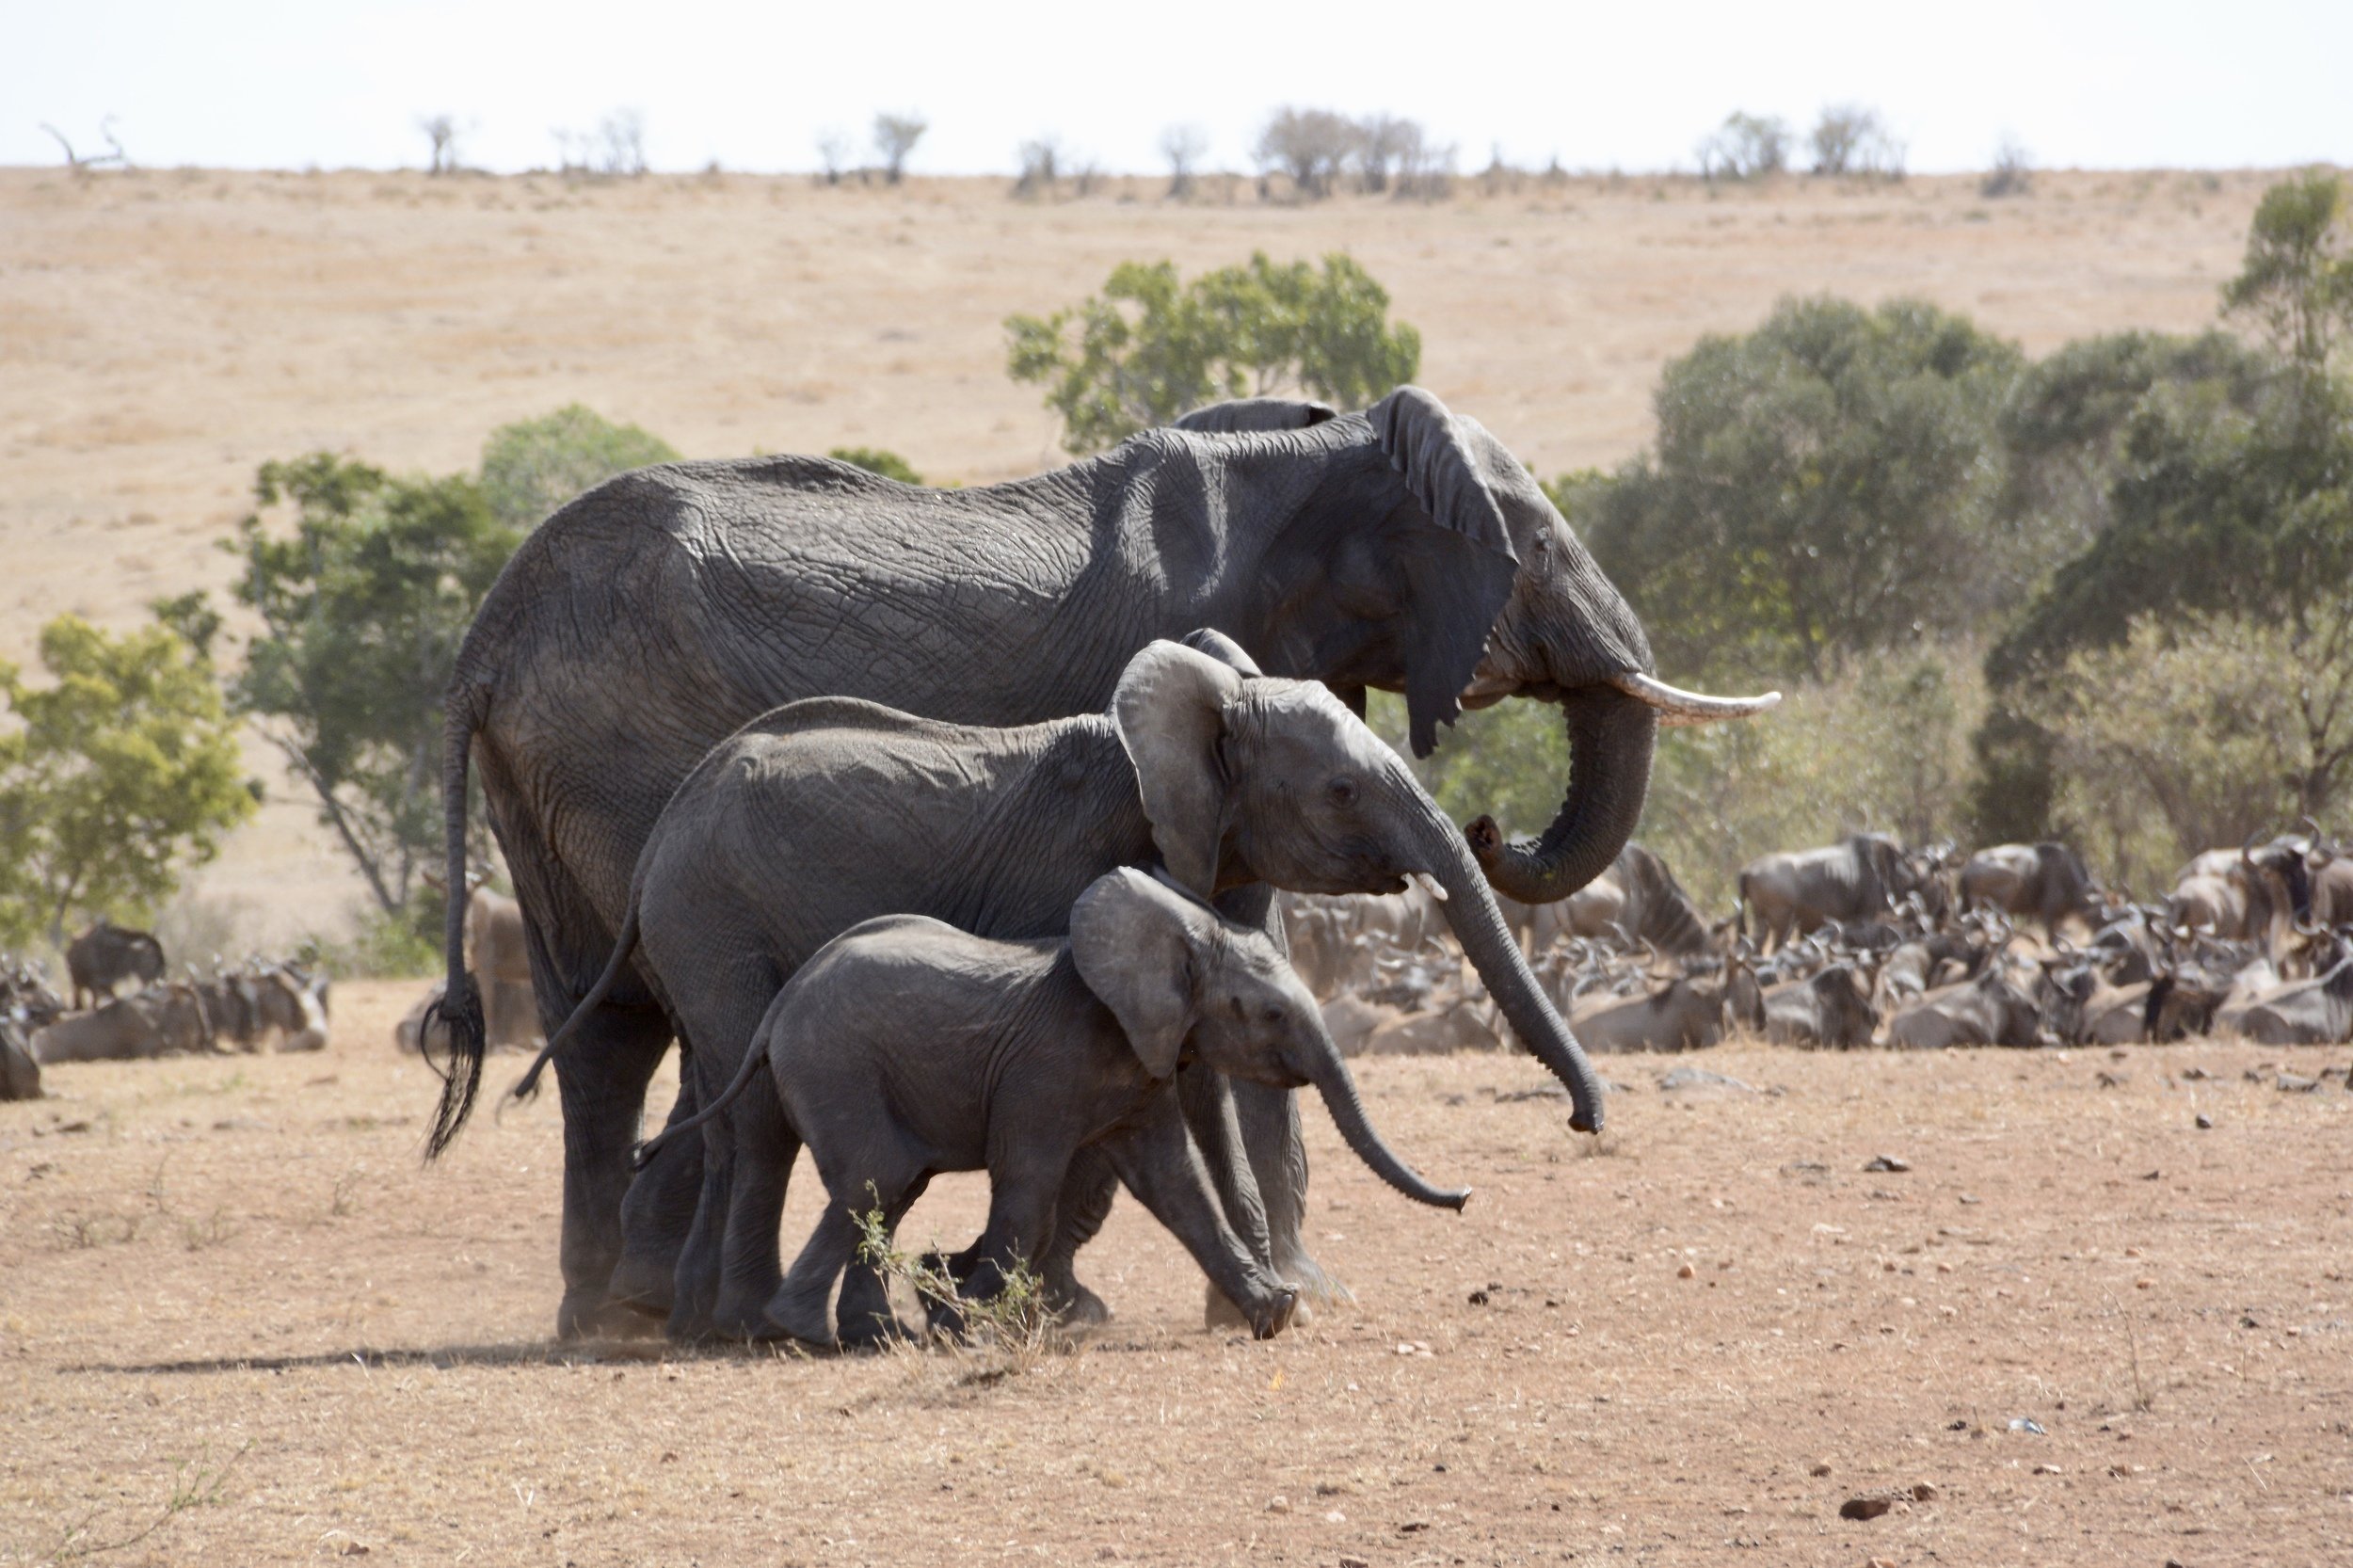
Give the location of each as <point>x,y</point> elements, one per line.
<point>1403,548</point>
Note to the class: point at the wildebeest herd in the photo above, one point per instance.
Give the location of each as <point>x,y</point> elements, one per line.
<point>261,1004</point>
<point>1865,942</point>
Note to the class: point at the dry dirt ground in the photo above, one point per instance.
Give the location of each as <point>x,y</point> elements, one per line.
<point>163,333</point>
<point>229,1282</point>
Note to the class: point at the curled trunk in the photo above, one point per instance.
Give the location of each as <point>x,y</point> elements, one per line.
<point>1333,1081</point>
<point>1610,738</point>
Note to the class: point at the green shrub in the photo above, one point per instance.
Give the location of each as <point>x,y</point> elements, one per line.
<point>876,459</point>
<point>531,467</point>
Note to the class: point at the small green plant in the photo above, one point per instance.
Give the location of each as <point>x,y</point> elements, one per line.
<point>1012,1329</point>
<point>211,1231</point>
<point>197,1482</point>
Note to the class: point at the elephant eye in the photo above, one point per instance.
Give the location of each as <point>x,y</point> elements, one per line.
<point>1342,790</point>
<point>1274,1015</point>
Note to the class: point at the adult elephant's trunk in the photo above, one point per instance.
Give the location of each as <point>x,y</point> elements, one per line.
<point>1487,942</point>
<point>1333,1080</point>
<point>1610,737</point>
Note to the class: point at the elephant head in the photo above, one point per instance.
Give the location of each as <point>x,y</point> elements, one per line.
<point>1271,780</point>
<point>1427,561</point>
<point>1176,973</point>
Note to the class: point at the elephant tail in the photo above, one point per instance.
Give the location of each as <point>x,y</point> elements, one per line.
<point>459,1008</point>
<point>623,946</point>
<point>754,1060</point>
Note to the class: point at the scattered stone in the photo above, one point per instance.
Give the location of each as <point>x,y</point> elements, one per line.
<point>2144,1283</point>
<point>2111,1080</point>
<point>2196,1075</point>
<point>1278,1505</point>
<point>2029,1425</point>
<point>1477,1298</point>
<point>1687,1271</point>
<point>1924,1491</point>
<point>1413,1527</point>
<point>1865,1508</point>
<point>2292,1084</point>
<point>1346,1560</point>
<point>2204,1122</point>
<point>1822,1468</point>
<point>1700,1078</point>
<point>1878,1562</point>
<point>1336,1517</point>
<point>2048,1470</point>
<point>1888,1162</point>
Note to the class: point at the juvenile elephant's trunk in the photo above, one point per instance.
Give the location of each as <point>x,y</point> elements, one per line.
<point>1333,1080</point>
<point>1488,943</point>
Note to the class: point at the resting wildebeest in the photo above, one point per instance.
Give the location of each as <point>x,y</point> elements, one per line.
<point>2331,871</point>
<point>1859,877</point>
<point>164,1021</point>
<point>1987,1011</point>
<point>107,955</point>
<point>1681,1015</point>
<point>2048,881</point>
<point>2309,1013</point>
<point>1830,1007</point>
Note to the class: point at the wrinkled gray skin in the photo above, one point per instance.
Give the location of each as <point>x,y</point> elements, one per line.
<point>1403,548</point>
<point>906,1048</point>
<point>1797,892</point>
<point>106,955</point>
<point>832,811</point>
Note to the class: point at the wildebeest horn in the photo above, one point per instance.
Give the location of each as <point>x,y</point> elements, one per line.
<point>1678,706</point>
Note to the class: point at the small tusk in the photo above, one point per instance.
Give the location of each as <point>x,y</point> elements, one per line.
<point>1678,706</point>
<point>1427,883</point>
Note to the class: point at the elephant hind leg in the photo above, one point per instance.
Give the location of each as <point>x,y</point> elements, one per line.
<point>1087,1190</point>
<point>765,1147</point>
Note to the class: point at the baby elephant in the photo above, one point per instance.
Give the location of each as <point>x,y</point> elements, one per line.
<point>906,1046</point>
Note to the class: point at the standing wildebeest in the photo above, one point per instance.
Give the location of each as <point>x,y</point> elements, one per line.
<point>1403,549</point>
<point>107,955</point>
<point>1797,892</point>
<point>1637,899</point>
<point>2331,871</point>
<point>2048,881</point>
<point>2243,894</point>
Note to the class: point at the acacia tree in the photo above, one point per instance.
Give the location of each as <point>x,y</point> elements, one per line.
<point>531,467</point>
<point>114,775</point>
<point>895,135</point>
<point>1151,346</point>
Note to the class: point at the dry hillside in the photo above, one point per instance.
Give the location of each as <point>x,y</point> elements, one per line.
<point>163,333</point>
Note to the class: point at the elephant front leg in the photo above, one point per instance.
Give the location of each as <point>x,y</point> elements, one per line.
<point>1160,1164</point>
<point>1278,1156</point>
<point>601,1080</point>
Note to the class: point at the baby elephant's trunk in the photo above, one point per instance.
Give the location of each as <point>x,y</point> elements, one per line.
<point>1337,1086</point>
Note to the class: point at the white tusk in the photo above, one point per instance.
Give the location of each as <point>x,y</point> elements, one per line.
<point>1427,883</point>
<point>1678,706</point>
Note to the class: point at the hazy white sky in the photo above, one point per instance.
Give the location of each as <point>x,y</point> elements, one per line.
<point>337,83</point>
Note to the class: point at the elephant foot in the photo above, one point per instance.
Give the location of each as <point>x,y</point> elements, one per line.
<point>1076,1307</point>
<point>586,1313</point>
<point>745,1319</point>
<point>1282,1309</point>
<point>644,1285</point>
<point>872,1331</point>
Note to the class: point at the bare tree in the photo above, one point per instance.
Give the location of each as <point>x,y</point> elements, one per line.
<point>1425,171</point>
<point>1312,146</point>
<point>1746,147</point>
<point>1383,143</point>
<point>2013,170</point>
<point>442,131</point>
<point>115,157</point>
<point>1850,139</point>
<point>833,152</point>
<point>571,149</point>
<point>1184,147</point>
<point>621,142</point>
<point>895,135</point>
<point>1040,167</point>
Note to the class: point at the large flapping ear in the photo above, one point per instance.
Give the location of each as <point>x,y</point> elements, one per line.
<point>1134,944</point>
<point>1244,415</point>
<point>1169,708</point>
<point>1462,586</point>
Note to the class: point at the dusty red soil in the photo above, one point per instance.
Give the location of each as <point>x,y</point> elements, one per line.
<point>234,1277</point>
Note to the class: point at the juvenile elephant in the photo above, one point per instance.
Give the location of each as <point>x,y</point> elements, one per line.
<point>906,1048</point>
<point>1403,549</point>
<point>829,812</point>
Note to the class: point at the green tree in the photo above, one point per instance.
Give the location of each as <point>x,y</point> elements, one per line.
<point>1821,488</point>
<point>364,594</point>
<point>531,467</point>
<point>118,772</point>
<point>876,459</point>
<point>1151,346</point>
<point>2296,281</point>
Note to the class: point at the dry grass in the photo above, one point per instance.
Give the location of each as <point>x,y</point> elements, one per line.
<point>2175,1307</point>
<point>163,333</point>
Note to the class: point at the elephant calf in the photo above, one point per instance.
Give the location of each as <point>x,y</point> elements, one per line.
<point>906,1048</point>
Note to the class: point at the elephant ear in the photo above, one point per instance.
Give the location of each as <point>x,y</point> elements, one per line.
<point>1170,709</point>
<point>1244,415</point>
<point>1222,649</point>
<point>1134,943</point>
<point>1460,590</point>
